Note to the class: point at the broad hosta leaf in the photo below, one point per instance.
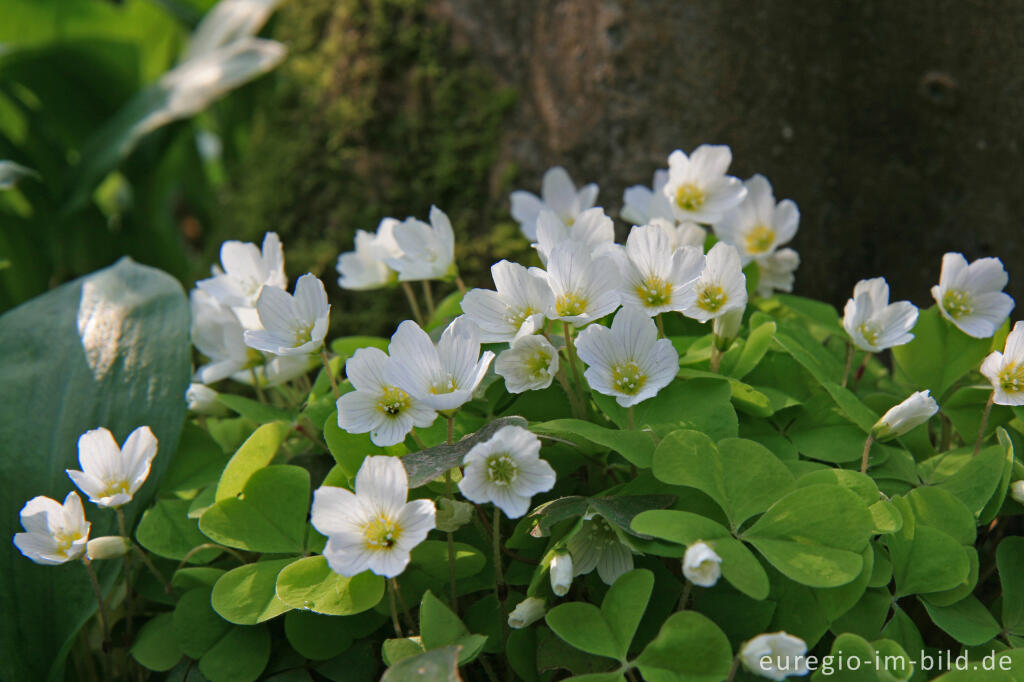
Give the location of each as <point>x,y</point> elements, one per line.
<point>424,466</point>
<point>939,354</point>
<point>688,647</point>
<point>247,595</point>
<point>439,665</point>
<point>310,584</point>
<point>255,453</point>
<point>110,349</point>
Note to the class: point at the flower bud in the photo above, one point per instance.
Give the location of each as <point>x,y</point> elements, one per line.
<point>1017,491</point>
<point>107,547</point>
<point>775,655</point>
<point>912,412</point>
<point>452,514</point>
<point>202,399</point>
<point>561,574</point>
<point>701,565</point>
<point>726,328</point>
<point>527,612</point>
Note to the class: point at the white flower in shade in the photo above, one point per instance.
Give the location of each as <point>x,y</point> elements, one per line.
<point>971,296</point>
<point>1006,370</point>
<point>683,234</point>
<point>872,322</point>
<point>776,272</point>
<point>655,278</point>
<point>367,266</point>
<point>516,308</point>
<point>592,229</point>
<point>1017,491</point>
<point>758,226</point>
<point>427,251</point>
<point>558,194</point>
<point>599,545</point>
<point>721,287</point>
<point>378,406</point>
<point>527,612</point>
<point>373,528</point>
<point>628,360</point>
<point>529,364</point>
<point>507,471</point>
<point>292,325</point>
<point>442,377</point>
<point>911,413</point>
<point>701,565</point>
<point>279,369</point>
<point>698,188</point>
<point>585,288</point>
<point>246,270</point>
<point>55,533</point>
<point>202,400</point>
<point>217,334</point>
<point>642,205</point>
<point>561,571</point>
<point>775,655</point>
<point>110,474</point>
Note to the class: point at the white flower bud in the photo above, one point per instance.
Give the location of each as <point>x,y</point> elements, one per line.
<point>527,612</point>
<point>775,655</point>
<point>912,412</point>
<point>1017,491</point>
<point>452,514</point>
<point>202,399</point>
<point>107,547</point>
<point>561,574</point>
<point>726,328</point>
<point>701,565</point>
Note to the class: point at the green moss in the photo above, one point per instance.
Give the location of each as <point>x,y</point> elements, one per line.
<point>374,114</point>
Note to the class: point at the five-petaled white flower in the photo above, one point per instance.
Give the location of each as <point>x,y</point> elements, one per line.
<point>373,528</point>
<point>628,360</point>
<point>642,205</point>
<point>292,325</point>
<point>218,334</point>
<point>247,269</point>
<point>701,565</point>
<point>377,405</point>
<point>971,296</point>
<point>506,470</point>
<point>655,278</point>
<point>775,272</point>
<point>599,545</point>
<point>872,322</point>
<point>427,251</point>
<point>516,308</point>
<point>558,195</point>
<point>775,655</point>
<point>909,414</point>
<point>721,287</point>
<point>367,266</point>
<point>592,228</point>
<point>698,188</point>
<point>1006,370</point>
<point>585,288</point>
<point>442,377</point>
<point>55,533</point>
<point>110,474</point>
<point>758,226</point>
<point>529,364</point>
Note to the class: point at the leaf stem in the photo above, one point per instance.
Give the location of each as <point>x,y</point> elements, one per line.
<point>984,423</point>
<point>330,374</point>
<point>129,601</point>
<point>661,326</point>
<point>208,545</point>
<point>684,598</point>
<point>716,358</point>
<point>867,451</point>
<point>392,603</point>
<point>451,534</point>
<point>570,349</point>
<point>460,284</point>
<point>256,385</point>
<point>429,295</point>
<point>411,295</point>
<point>735,667</point>
<point>101,613</point>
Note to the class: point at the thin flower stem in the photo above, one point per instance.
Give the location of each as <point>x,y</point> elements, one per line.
<point>867,451</point>
<point>152,569</point>
<point>861,368</point>
<point>411,295</point>
<point>101,614</point>
<point>716,358</point>
<point>734,669</point>
<point>451,534</point>
<point>129,602</point>
<point>947,434</point>
<point>392,603</point>
<point>488,669</point>
<point>208,545</point>
<point>850,350</point>
<point>499,576</point>
<point>661,326</point>
<point>460,284</point>
<point>330,374</point>
<point>984,423</point>
<point>571,350</point>
<point>631,675</point>
<point>409,623</point>
<point>256,385</point>
<point>416,438</point>
<point>429,295</point>
<point>684,599</point>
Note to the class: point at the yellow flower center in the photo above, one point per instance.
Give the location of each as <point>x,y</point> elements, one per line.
<point>570,304</point>
<point>115,487</point>
<point>538,365</point>
<point>381,532</point>
<point>393,401</point>
<point>690,197</point>
<point>711,298</point>
<point>515,317</point>
<point>1011,378</point>
<point>501,469</point>
<point>654,291</point>
<point>304,334</point>
<point>65,540</point>
<point>628,378</point>
<point>569,221</point>
<point>870,332</point>
<point>445,384</point>
<point>957,303</point>
<point>760,240</point>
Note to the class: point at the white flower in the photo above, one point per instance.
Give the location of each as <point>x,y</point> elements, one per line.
<point>377,405</point>
<point>373,528</point>
<point>698,188</point>
<point>293,325</point>
<point>217,334</point>
<point>912,412</point>
<point>427,251</point>
<point>592,228</point>
<point>872,322</point>
<point>1006,370</point>
<point>110,475</point>
<point>758,226</point>
<point>529,364</point>
<point>527,612</point>
<point>558,194</point>
<point>701,565</point>
<point>971,296</point>
<point>442,377</point>
<point>642,205</point>
<point>683,234</point>
<point>655,278</point>
<point>246,270</point>
<point>561,571</point>
<point>775,655</point>
<point>721,287</point>
<point>367,266</point>
<point>598,545</point>
<point>202,400</point>
<point>516,308</point>
<point>775,272</point>
<point>627,361</point>
<point>1017,491</point>
<point>55,533</point>
<point>107,547</point>
<point>507,471</point>
<point>585,288</point>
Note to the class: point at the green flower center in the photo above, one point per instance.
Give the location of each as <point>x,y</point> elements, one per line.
<point>501,469</point>
<point>654,291</point>
<point>760,240</point>
<point>602,535</point>
<point>538,365</point>
<point>870,332</point>
<point>1011,378</point>
<point>570,305</point>
<point>957,303</point>
<point>381,533</point>
<point>690,197</point>
<point>628,378</point>
<point>711,298</point>
<point>393,401</point>
<point>304,334</point>
<point>445,384</point>
<point>515,317</point>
